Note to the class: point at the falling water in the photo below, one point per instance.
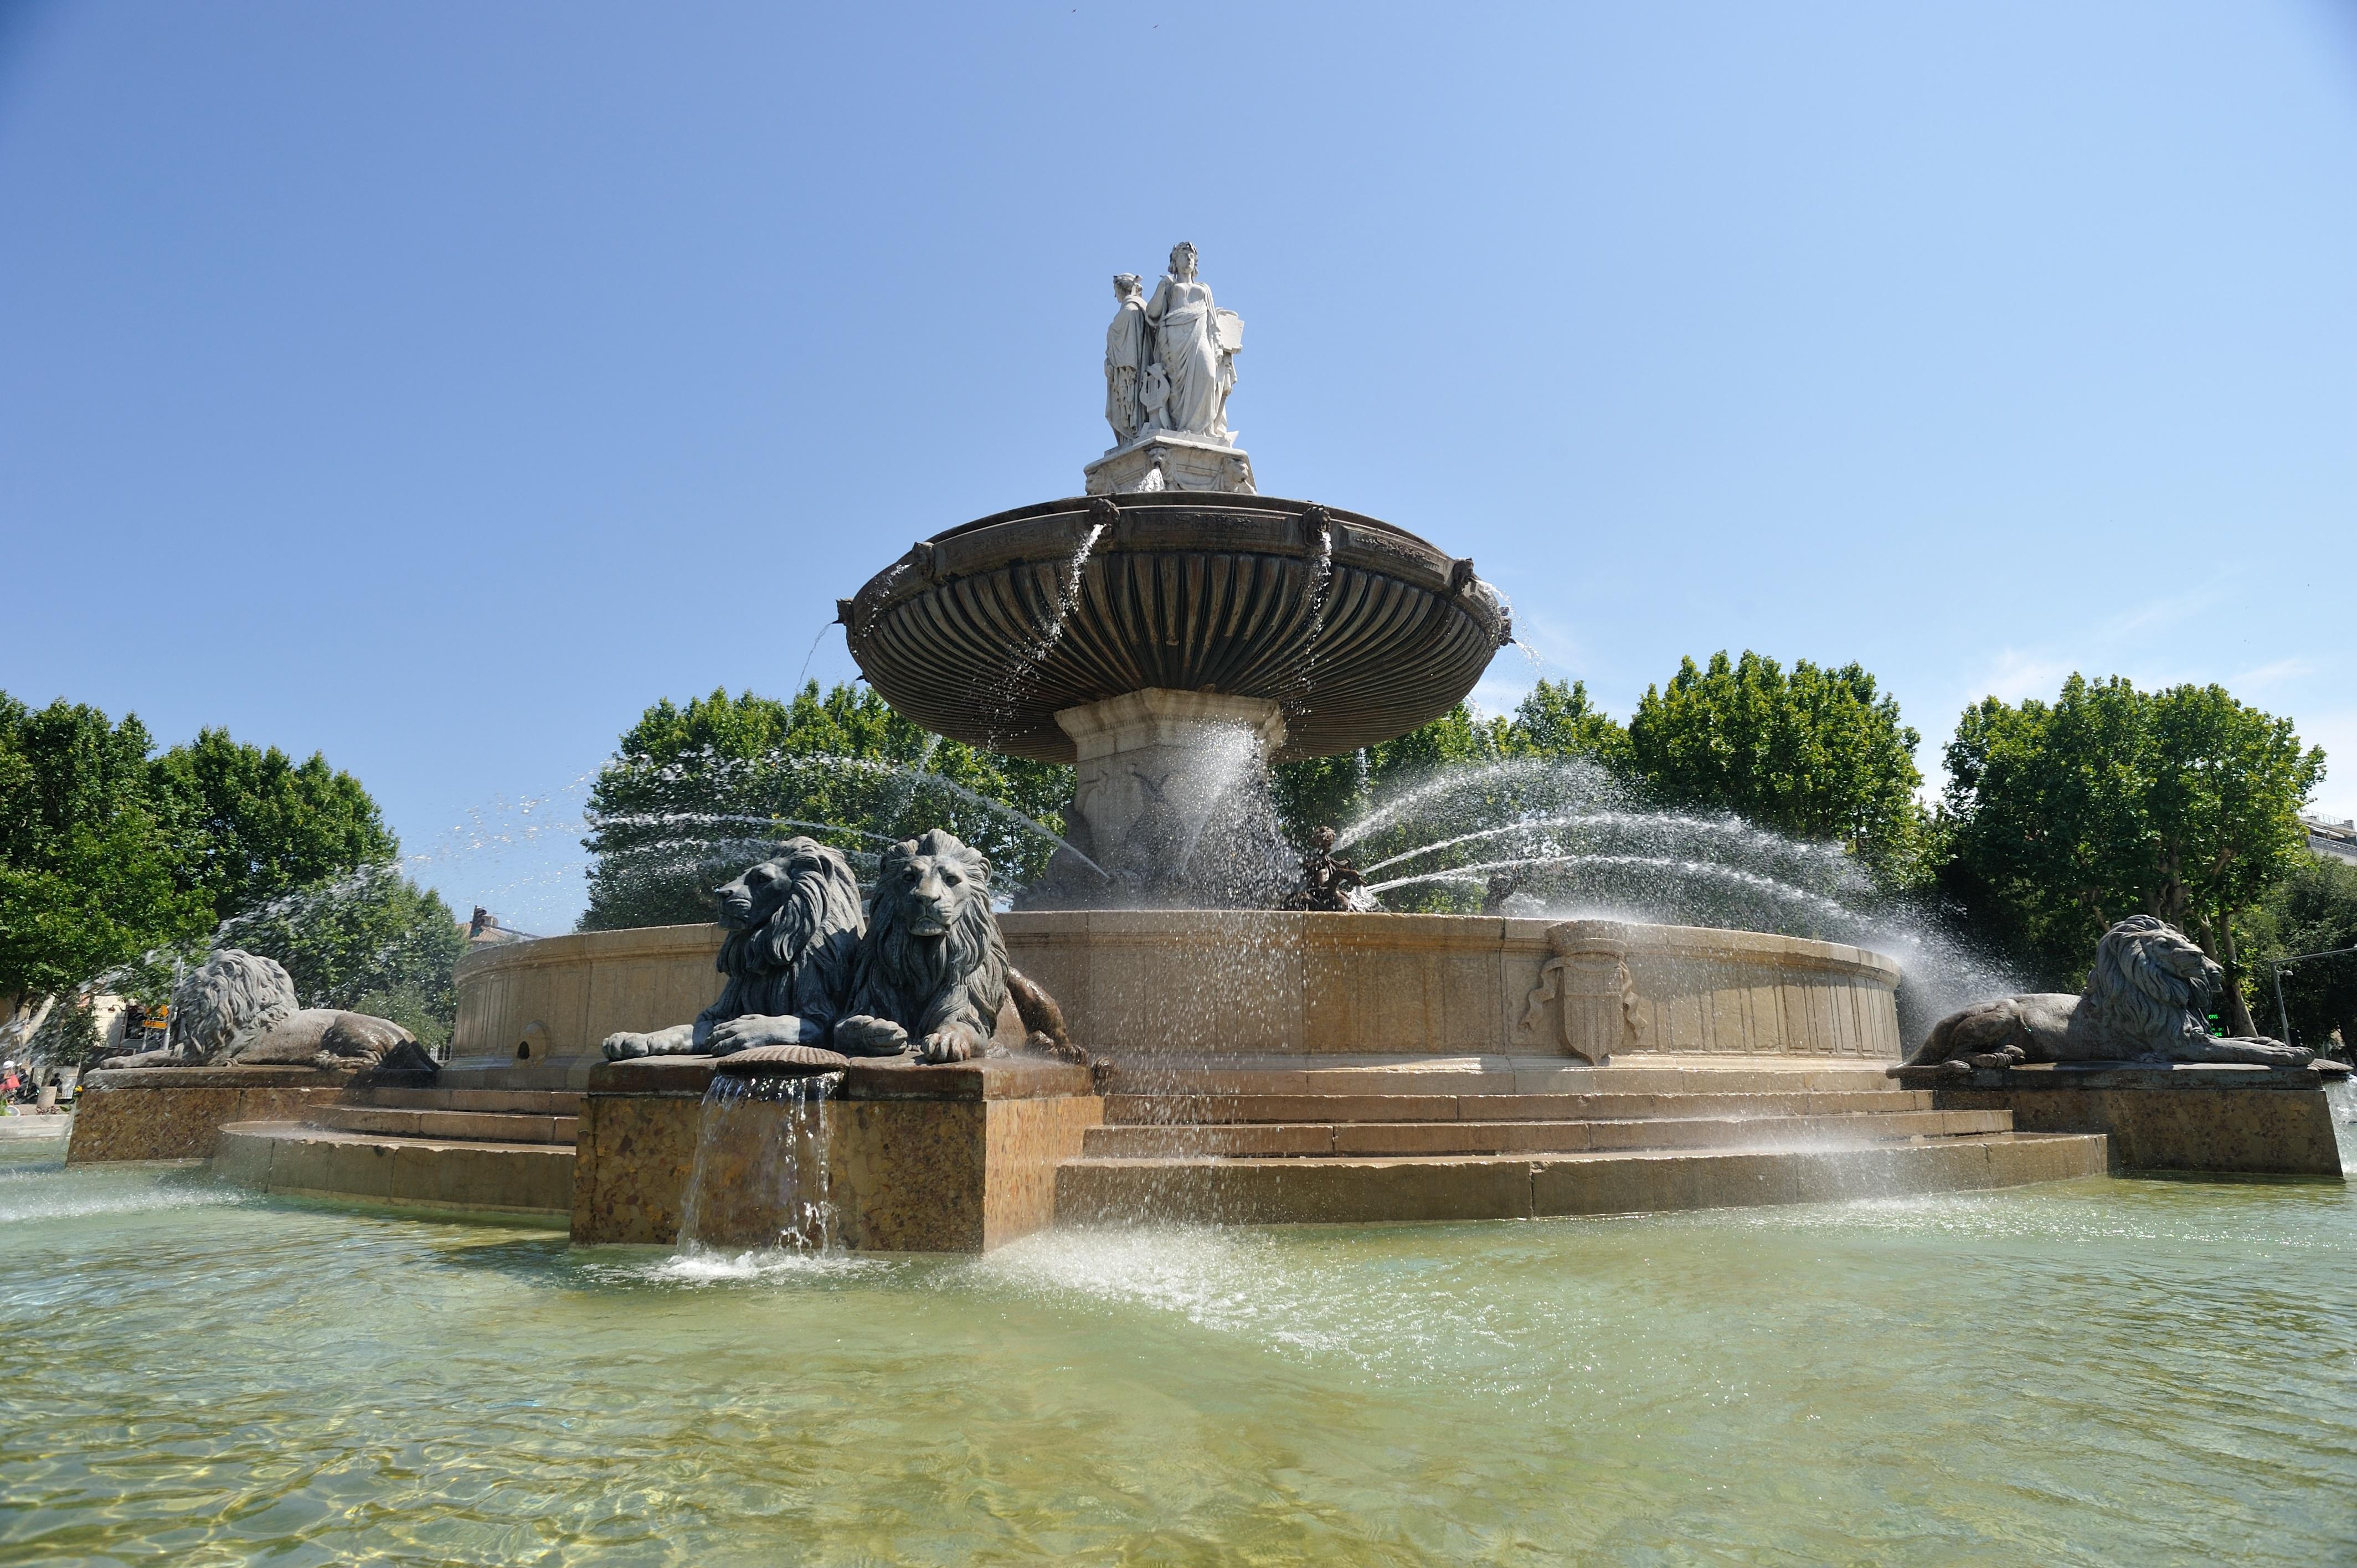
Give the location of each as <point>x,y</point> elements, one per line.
<point>760,1178</point>
<point>2341,1103</point>
<point>1321,583</point>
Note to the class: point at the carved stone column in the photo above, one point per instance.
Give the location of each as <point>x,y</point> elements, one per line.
<point>1170,793</point>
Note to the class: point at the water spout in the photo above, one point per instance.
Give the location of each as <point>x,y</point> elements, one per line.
<point>760,1178</point>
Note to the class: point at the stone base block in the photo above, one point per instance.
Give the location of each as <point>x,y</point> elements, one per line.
<point>527,1180</point>
<point>1167,461</point>
<point>944,1159</point>
<point>177,1114</point>
<point>2226,1119</point>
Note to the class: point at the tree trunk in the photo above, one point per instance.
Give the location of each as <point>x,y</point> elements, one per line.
<point>24,1021</point>
<point>2235,1014</point>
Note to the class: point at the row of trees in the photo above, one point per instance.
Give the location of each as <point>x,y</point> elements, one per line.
<point>691,792</point>
<point>118,864</point>
<point>2058,818</point>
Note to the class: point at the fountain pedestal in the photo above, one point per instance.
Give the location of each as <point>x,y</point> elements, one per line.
<point>2212,1117</point>
<point>955,1158</point>
<point>1169,801</point>
<point>1166,460</point>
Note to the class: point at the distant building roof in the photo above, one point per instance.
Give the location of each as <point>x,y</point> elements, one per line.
<point>2337,840</point>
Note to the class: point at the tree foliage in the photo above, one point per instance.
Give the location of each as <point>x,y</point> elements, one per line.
<point>117,868</point>
<point>694,794</point>
<point>2314,910</point>
<point>1818,754</point>
<point>2065,817</point>
<point>370,942</point>
<point>250,825</point>
<point>87,866</point>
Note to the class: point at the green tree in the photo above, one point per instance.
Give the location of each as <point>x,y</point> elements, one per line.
<point>117,868</point>
<point>86,864</point>
<point>251,825</point>
<point>1817,754</point>
<point>2064,818</point>
<point>2312,911</point>
<point>693,793</point>
<point>1557,720</point>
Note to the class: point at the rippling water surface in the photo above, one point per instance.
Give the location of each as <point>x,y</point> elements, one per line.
<point>2102,1373</point>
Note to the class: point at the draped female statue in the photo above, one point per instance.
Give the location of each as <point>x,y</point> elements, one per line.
<point>1195,344</point>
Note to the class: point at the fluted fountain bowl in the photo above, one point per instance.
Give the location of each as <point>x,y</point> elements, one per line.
<point>1359,630</point>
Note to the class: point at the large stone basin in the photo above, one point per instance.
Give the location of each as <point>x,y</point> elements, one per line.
<point>1356,630</point>
<point>1252,982</point>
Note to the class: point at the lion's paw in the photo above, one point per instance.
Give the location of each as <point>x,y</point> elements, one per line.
<point>861,1036</point>
<point>623,1046</point>
<point>948,1045</point>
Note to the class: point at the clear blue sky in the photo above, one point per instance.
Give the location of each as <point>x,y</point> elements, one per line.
<point>435,385</point>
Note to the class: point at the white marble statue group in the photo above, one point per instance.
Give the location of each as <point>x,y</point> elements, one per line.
<point>1170,360</point>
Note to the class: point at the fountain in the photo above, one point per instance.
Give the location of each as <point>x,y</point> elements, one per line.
<point>1263,1048</point>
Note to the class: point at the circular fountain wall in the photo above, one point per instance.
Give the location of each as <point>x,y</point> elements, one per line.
<point>1262,983</point>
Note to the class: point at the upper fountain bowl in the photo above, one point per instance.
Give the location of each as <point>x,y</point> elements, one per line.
<point>1359,632</point>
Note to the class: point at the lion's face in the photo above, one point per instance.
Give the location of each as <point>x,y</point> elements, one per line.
<point>2161,962</point>
<point>2187,962</point>
<point>931,881</point>
<point>748,900</point>
<point>753,894</point>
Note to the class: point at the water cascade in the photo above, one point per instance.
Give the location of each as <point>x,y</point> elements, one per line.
<point>760,1178</point>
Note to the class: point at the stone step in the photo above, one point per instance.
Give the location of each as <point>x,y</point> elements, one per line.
<point>1166,1108</point>
<point>1502,1076</point>
<point>532,1180</point>
<point>516,1101</point>
<point>1270,1139</point>
<point>1355,1190</point>
<point>463,1126</point>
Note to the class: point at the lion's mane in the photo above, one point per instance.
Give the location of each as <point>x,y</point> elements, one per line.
<point>230,998</point>
<point>2150,988</point>
<point>930,984</point>
<point>794,948</point>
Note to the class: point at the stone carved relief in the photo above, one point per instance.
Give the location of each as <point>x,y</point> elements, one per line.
<point>1595,1005</point>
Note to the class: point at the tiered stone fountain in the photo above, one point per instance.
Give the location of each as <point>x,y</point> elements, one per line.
<point>1169,634</point>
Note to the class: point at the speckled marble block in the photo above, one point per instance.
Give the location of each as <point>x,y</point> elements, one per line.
<point>177,1114</point>
<point>923,1159</point>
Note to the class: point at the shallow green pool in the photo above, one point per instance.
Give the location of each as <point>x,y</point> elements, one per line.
<point>2104,1372</point>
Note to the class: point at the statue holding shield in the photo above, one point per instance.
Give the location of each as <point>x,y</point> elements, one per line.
<point>1195,342</point>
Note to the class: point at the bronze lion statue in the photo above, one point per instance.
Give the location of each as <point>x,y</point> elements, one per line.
<point>933,969</point>
<point>240,1009</point>
<point>2148,999</point>
<point>792,925</point>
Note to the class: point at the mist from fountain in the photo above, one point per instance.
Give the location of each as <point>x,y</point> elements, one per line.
<point>1561,838</point>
